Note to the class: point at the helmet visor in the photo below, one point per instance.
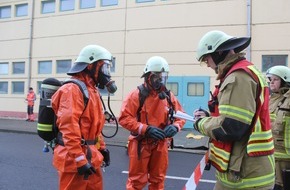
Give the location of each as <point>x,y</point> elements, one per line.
<point>106,67</point>
<point>161,76</point>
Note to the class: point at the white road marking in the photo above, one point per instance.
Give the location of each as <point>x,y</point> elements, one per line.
<point>181,178</point>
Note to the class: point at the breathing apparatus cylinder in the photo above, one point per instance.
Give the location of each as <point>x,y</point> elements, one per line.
<point>46,116</point>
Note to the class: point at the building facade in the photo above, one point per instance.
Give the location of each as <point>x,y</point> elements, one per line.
<point>42,38</point>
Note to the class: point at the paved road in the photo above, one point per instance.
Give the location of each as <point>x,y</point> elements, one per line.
<point>24,166</point>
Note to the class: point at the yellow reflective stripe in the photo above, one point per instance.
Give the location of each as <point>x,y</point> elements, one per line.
<point>264,135</point>
<point>273,117</point>
<point>287,134</point>
<point>44,127</point>
<point>258,147</point>
<point>261,77</point>
<point>258,126</point>
<point>281,155</point>
<point>222,155</point>
<point>250,182</point>
<point>262,80</point>
<point>244,115</point>
<point>200,125</point>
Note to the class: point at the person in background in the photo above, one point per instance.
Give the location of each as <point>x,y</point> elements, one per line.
<point>241,147</point>
<point>151,125</point>
<point>30,99</point>
<point>279,77</point>
<point>76,157</point>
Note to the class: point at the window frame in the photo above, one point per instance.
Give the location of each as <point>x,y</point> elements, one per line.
<point>39,67</point>
<point>63,7</point>
<point>271,60</point>
<point>21,91</point>
<point>6,68</point>
<point>106,3</point>
<point>24,6</point>
<point>8,7</point>
<point>13,68</point>
<point>5,90</point>
<point>49,4</point>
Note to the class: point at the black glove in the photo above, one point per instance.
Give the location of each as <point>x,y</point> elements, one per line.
<point>106,155</point>
<point>155,133</point>
<point>86,170</point>
<point>195,125</point>
<point>170,130</point>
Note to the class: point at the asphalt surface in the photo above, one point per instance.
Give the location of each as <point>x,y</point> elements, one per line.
<point>187,140</point>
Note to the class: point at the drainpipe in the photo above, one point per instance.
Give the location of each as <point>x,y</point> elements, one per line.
<point>30,44</point>
<point>249,29</point>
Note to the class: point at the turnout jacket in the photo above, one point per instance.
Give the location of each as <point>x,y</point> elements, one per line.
<point>280,122</point>
<point>242,147</point>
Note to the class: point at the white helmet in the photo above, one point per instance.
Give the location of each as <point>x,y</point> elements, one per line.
<point>215,40</point>
<point>156,64</point>
<point>281,71</point>
<point>89,55</point>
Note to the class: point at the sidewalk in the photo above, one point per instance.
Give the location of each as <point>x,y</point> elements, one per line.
<point>187,140</point>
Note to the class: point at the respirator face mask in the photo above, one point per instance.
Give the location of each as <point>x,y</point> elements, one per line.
<point>105,77</point>
<point>158,80</point>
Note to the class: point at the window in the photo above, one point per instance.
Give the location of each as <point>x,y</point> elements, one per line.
<point>144,1</point>
<point>67,5</point>
<point>38,90</point>
<point>113,65</point>
<point>17,87</point>
<point>195,89</point>
<point>21,10</point>
<point>3,87</point>
<point>173,87</point>
<point>109,2</point>
<point>18,67</point>
<point>84,4</point>
<point>48,6</point>
<point>44,67</point>
<point>272,60</point>
<point>5,12</point>
<point>4,68</point>
<point>63,66</point>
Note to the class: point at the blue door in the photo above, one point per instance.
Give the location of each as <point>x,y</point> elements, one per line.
<point>192,92</point>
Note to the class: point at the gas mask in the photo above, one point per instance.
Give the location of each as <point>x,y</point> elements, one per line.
<point>104,78</point>
<point>158,80</point>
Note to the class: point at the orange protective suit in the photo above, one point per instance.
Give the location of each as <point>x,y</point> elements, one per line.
<point>30,98</point>
<point>149,161</point>
<point>76,122</point>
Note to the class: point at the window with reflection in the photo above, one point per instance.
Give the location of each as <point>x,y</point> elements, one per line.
<point>4,68</point>
<point>18,87</point>
<point>18,67</point>
<point>21,10</point>
<point>3,87</point>
<point>173,87</point>
<point>272,60</point>
<point>44,67</point>
<point>63,66</point>
<point>48,6</point>
<point>195,89</point>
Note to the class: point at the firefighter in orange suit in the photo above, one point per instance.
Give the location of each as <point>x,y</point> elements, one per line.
<point>76,156</point>
<point>30,99</point>
<point>241,147</point>
<point>151,127</point>
<point>279,77</point>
